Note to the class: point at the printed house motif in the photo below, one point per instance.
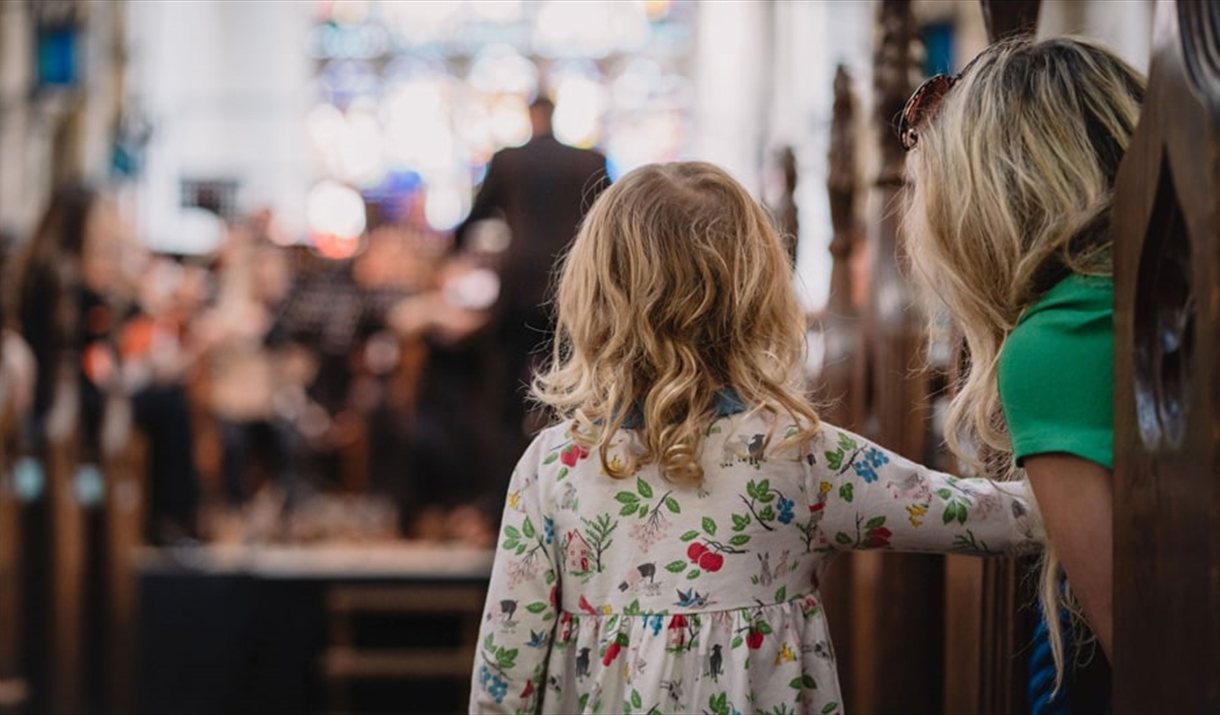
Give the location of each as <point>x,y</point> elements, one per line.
<point>677,631</point>
<point>578,553</point>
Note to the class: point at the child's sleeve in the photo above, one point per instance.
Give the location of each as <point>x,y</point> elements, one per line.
<point>519,616</point>
<point>871,498</point>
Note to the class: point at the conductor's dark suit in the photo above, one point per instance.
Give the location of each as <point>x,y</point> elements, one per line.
<point>543,189</point>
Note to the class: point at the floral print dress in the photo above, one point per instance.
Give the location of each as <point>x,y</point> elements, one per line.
<point>642,596</point>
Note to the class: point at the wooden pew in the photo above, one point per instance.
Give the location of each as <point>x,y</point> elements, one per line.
<point>1167,403</point>
<point>65,535</point>
<point>13,686</point>
<point>346,661</point>
<point>80,601</point>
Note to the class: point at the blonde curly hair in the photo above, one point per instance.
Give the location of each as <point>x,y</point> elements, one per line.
<point>677,287</point>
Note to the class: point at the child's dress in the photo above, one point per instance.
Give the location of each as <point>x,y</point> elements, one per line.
<point>638,595</point>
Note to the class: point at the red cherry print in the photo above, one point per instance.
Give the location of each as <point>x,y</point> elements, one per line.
<point>611,653</point>
<point>754,639</point>
<point>711,561</point>
<point>696,550</point>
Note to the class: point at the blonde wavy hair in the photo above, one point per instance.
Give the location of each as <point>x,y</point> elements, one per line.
<point>676,287</point>
<point>1010,188</point>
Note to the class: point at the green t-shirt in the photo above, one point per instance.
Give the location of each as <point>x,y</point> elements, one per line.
<point>1056,373</point>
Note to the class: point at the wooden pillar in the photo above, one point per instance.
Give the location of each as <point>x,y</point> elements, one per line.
<point>66,526</point>
<point>12,675</point>
<point>843,367</point>
<point>123,513</point>
<point>1167,391</point>
<point>897,628</point>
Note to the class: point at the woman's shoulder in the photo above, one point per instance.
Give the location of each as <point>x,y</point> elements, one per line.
<point>1075,298</point>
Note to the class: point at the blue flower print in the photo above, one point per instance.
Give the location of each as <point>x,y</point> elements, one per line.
<point>864,470</point>
<point>785,510</point>
<point>548,528</point>
<point>876,457</point>
<point>654,621</point>
<point>496,686</point>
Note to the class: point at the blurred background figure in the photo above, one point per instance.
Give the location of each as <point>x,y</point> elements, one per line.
<point>245,376</point>
<point>541,189</point>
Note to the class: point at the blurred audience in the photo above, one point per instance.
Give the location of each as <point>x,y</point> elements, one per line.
<point>73,292</point>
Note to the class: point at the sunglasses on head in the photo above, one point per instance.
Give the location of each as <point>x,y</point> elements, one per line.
<point>922,106</point>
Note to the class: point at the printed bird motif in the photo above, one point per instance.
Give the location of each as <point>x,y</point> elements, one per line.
<point>582,663</point>
<point>691,598</point>
<point>715,663</point>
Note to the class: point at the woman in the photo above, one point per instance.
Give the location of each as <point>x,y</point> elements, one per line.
<point>1012,166</point>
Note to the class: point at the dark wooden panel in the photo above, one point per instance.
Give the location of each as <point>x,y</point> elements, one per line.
<point>1008,18</point>
<point>897,599</point>
<point>1167,397</point>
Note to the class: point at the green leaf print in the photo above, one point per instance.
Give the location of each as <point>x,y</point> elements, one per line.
<point>562,473</point>
<point>805,682</point>
<point>642,487</point>
<point>845,492</point>
<point>846,443</point>
<point>513,532</point>
<point>536,607</point>
<point>740,540</point>
<point>767,514</point>
<point>875,523</point>
<point>672,505</point>
<point>830,707</point>
<point>763,628</point>
<point>510,543</point>
<point>842,538</point>
<point>834,460</point>
<point>551,458</point>
<point>628,510</point>
<point>675,566</point>
<point>955,510</point>
<point>527,528</point>
<point>633,608</point>
<point>550,577</point>
<point>626,498</point>
<point>709,526</point>
<point>584,700</point>
<point>688,535</point>
<point>752,489</point>
<point>692,574</point>
<point>943,493</point>
<point>506,659</point>
<point>636,700</point>
<point>643,511</point>
<point>737,641</point>
<point>740,521</point>
<point>781,595</point>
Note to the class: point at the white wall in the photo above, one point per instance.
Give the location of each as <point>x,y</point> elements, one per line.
<point>225,86</point>
<point>1125,27</point>
<point>764,75</point>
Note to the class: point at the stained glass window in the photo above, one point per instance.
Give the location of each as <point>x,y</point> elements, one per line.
<point>417,96</point>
